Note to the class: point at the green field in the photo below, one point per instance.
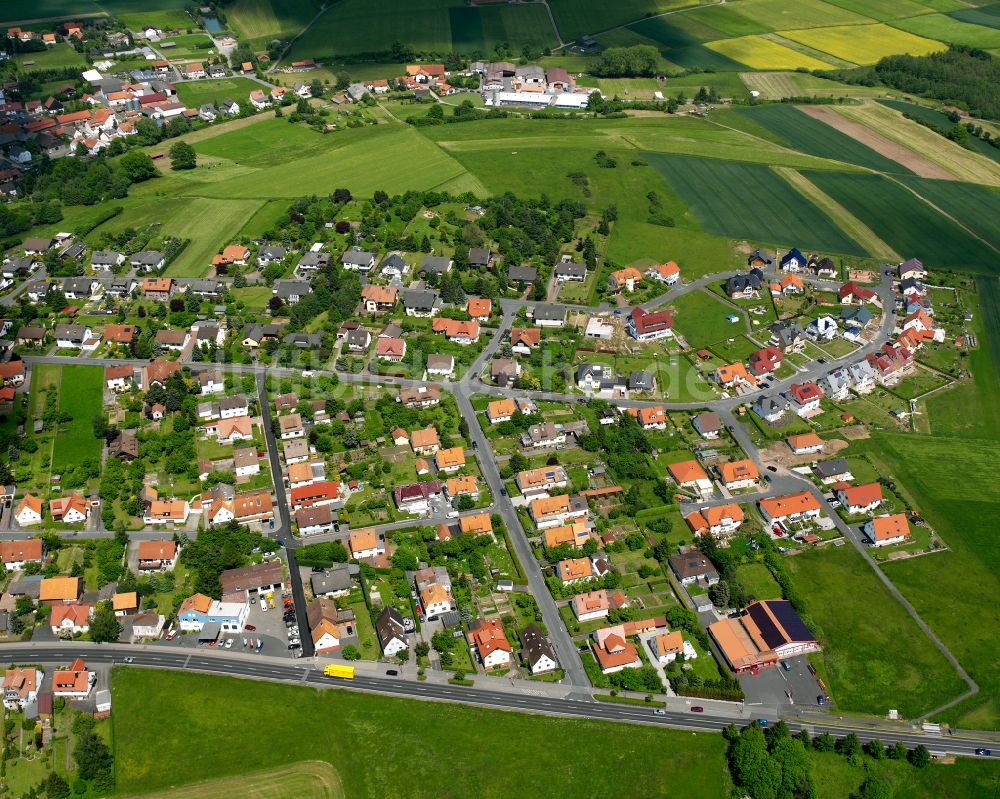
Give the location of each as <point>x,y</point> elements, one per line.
<point>985,15</point>
<point>812,136</point>
<point>976,207</point>
<point>951,30</point>
<point>578,17</point>
<point>196,93</point>
<point>757,581</point>
<point>875,659</point>
<point>262,20</point>
<point>355,27</point>
<point>780,15</point>
<point>701,318</point>
<point>961,511</point>
<point>681,42</point>
<point>750,201</point>
<point>913,227</point>
<point>884,10</point>
<point>55,57</point>
<point>80,392</point>
<point>161,13</point>
<point>437,749</point>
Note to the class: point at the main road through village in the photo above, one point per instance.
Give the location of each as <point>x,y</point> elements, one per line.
<point>573,698</point>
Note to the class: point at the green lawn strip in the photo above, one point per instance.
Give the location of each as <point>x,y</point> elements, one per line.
<point>875,661</point>
<point>80,395</point>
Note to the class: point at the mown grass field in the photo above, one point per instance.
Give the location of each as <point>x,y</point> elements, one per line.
<point>727,198</point>
<point>912,227</point>
<point>161,13</point>
<point>874,655</point>
<point>55,57</point>
<point>80,391</point>
<point>307,780</point>
<point>863,44</point>
<point>809,135</point>
<point>884,10</point>
<point>437,749</point>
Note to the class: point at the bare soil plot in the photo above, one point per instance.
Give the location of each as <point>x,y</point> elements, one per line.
<point>880,144</point>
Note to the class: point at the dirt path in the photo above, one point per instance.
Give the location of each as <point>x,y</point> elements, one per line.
<point>880,144</point>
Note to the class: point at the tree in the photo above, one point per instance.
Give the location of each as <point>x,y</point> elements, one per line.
<point>719,594</point>
<point>849,745</point>
<point>183,156</point>
<point>104,626</point>
<point>422,649</point>
<point>91,754</point>
<point>137,166</point>
<point>876,749</point>
<point>875,788</point>
<point>752,767</point>
<point>351,652</point>
<point>898,751</point>
<point>56,787</point>
<point>920,757</point>
<point>824,743</point>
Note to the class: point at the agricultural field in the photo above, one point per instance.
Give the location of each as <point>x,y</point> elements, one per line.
<point>725,197</point>
<point>777,15</point>
<point>984,15</point>
<point>776,85</point>
<point>312,779</point>
<point>194,94</point>
<point>263,20</point>
<point>953,31</point>
<point>161,13</point>
<point>976,207</point>
<point>809,135</point>
<point>863,44</point>
<point>884,10</point>
<point>473,741</point>
<point>865,673</point>
<point>56,57</point>
<point>941,123</point>
<point>759,53</point>
<point>357,27</point>
<point>913,227</point>
<point>576,18</point>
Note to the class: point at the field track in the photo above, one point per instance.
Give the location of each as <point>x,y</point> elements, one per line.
<point>310,779</point>
<point>880,144</point>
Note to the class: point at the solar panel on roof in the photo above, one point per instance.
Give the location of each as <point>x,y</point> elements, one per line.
<point>789,619</point>
<point>769,632</point>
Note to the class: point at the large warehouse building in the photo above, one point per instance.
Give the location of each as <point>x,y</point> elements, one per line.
<point>765,633</point>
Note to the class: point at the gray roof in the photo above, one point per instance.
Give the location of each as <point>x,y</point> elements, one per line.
<point>389,625</point>
<point>641,381</point>
<point>287,289</point>
<point>479,256</point>
<point>394,261</point>
<point>357,257</point>
<point>77,285</point>
<point>71,332</point>
<point>273,253</point>
<point>419,298</point>
<point>333,580</point>
<point>570,269</point>
<point>315,259</point>
<point>232,403</point>
<point>105,257</point>
<point>766,406</point>
<point>204,285</point>
<point>437,264</point>
<point>147,258</point>
<point>550,313</point>
<point>303,340</point>
<point>522,274</point>
<point>832,467</point>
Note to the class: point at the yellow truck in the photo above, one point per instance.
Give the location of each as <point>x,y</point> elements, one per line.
<point>336,670</point>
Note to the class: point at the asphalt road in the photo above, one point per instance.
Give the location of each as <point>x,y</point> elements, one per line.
<point>238,665</point>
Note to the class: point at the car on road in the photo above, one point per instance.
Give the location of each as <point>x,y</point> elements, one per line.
<point>821,360</point>
<point>697,709</point>
<point>772,468</point>
<point>660,712</point>
<point>279,541</point>
<point>762,722</point>
<point>503,491</point>
<point>821,699</point>
<point>263,606</point>
<point>984,752</point>
<point>251,628</point>
<point>391,673</point>
<point>294,646</point>
<point>786,665</point>
<point>129,660</point>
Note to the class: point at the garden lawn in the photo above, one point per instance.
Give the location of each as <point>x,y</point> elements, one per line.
<point>519,752</point>
<point>725,196</point>
<point>194,94</point>
<point>701,319</point>
<point>80,393</point>
<point>914,226</point>
<point>757,581</point>
<point>874,661</point>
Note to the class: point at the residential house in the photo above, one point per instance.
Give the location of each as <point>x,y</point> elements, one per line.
<point>734,376</point>
<point>835,385</point>
<point>489,641</point>
<point>569,272</point>
<point>739,474</point>
<point>73,682</point>
<point>645,326</point>
<point>524,339</point>
<point>331,627</point>
<point>72,336</point>
<point>246,462</point>
<point>544,435</point>
<point>391,632</point>
<point>73,509</point>
<point>12,372</point>
<point>504,371</point>
<point>624,280</point>
<point>59,590</point>
<point>793,261</point>
<point>718,520</point>
<point>157,288</point>
<point>692,567</point>
<point>708,424</point>
<point>440,365</point>
<point>805,444</point>
<point>20,687</point>
<point>479,308</point>
<point>862,377</point>
<point>70,619</point>
<point>29,511</point>
<point>449,460</point>
<point>668,273</point>
<point>765,361</point>
<point>823,328</point>
<point>883,531</point>
<point>535,482</point>
<point>435,264</point>
<point>800,506</point>
<point>613,651</point>
<point>358,260</point>
<point>148,260</point>
<point>459,332</point>
<point>548,315</point>
<point>118,378</point>
<point>536,650</point>
<point>419,397</point>
<point>744,286</point>
<point>157,555</point>
<point>379,299</point>
<point>860,499</point>
<point>788,336</point>
<point>690,476</point>
<point>591,605</point>
<point>573,535</point>
<point>804,399</point>
<point>17,553</point>
<point>421,302</point>
<point>557,510</point>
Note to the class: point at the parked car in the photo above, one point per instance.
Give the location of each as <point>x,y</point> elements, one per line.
<point>229,643</point>
<point>251,628</point>
<point>391,673</point>
<point>697,709</point>
<point>294,646</point>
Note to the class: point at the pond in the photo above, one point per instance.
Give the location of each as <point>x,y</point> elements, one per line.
<point>212,24</point>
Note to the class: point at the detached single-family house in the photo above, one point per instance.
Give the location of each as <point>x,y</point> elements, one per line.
<point>883,531</point>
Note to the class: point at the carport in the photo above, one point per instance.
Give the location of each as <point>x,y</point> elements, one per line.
<point>210,632</point>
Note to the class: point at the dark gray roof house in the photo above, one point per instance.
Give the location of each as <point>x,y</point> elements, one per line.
<point>537,650</point>
<point>435,264</point>
<point>106,258</point>
<point>304,341</point>
<point>17,266</point>
<point>550,313</point>
<point>206,287</point>
<point>568,270</point>
<point>291,291</point>
<point>358,259</point>
<point>314,260</point>
<point>832,468</point>
<point>147,259</point>
<point>479,256</point>
<point>393,263</point>
<point>786,334</point>
<point>420,300</point>
<point>641,381</point>
<point>522,274</point>
<point>267,254</point>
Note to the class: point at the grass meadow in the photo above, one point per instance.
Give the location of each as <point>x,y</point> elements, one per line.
<point>519,752</point>
<point>873,661</point>
<point>701,319</point>
<point>194,94</point>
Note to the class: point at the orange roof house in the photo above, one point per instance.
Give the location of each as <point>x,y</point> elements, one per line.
<point>501,410</point>
<point>466,484</point>
<point>476,524</point>
<point>525,337</point>
<point>687,472</point>
<point>887,529</point>
<point>456,330</point>
<point>426,439</point>
<point>480,307</point>
<point>450,460</point>
<point>59,589</point>
<point>739,473</point>
<point>733,374</point>
<point>21,550</point>
<point>790,506</point>
<point>488,638</point>
<point>574,569</point>
<point>575,535</point>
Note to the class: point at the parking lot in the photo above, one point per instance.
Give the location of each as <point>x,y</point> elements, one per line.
<point>266,627</point>
<point>777,686</point>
